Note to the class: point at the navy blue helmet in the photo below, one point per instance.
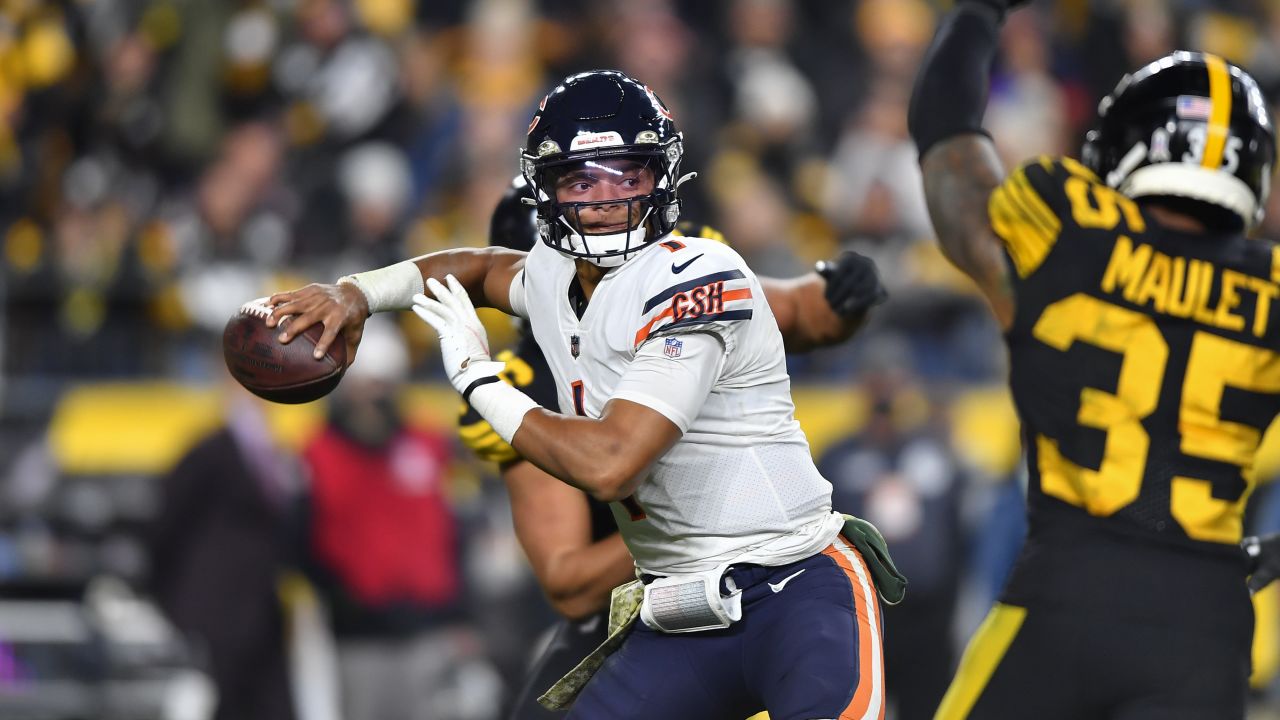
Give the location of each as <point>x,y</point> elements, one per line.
<point>590,117</point>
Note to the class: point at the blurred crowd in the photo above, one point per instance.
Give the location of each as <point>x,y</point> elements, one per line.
<point>163,161</point>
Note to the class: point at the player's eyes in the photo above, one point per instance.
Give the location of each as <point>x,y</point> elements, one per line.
<point>577,186</point>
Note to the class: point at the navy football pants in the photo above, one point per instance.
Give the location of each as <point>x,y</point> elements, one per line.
<point>809,649</point>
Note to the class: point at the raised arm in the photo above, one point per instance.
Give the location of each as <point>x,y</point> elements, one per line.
<point>342,307</point>
<point>957,157</point>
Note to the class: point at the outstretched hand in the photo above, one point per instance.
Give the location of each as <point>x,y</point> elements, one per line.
<point>1264,559</point>
<point>853,284</point>
<point>341,309</point>
<point>464,344</point>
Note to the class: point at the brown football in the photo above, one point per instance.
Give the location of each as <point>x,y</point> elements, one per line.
<point>276,372</point>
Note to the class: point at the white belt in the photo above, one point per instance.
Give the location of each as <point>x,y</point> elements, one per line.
<point>690,603</point>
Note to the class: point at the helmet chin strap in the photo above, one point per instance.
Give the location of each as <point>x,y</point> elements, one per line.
<point>610,242</point>
<point>589,247</point>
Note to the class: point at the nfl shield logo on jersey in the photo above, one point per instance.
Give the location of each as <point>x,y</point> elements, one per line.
<point>575,346</point>
<point>673,347</point>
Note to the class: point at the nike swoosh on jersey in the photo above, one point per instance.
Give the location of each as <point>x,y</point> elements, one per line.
<point>677,269</point>
<point>777,587</point>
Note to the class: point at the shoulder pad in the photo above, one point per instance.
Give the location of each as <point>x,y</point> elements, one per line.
<point>700,287</point>
<point>1031,208</point>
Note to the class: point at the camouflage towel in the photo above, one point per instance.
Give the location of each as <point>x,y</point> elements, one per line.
<point>891,584</point>
<point>624,610</point>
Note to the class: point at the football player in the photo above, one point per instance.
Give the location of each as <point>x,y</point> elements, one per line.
<point>571,539</point>
<point>670,373</point>
<point>1143,362</point>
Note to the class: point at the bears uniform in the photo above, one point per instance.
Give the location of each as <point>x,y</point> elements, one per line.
<point>512,226</point>
<point>768,503</point>
<point>739,489</point>
<point>1143,366</point>
<point>681,327</point>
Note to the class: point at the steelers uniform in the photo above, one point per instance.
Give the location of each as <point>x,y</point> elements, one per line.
<point>1143,367</point>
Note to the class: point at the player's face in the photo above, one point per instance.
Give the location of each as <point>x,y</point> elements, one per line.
<point>601,182</point>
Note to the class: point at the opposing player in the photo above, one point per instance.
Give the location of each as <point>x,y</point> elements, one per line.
<point>670,370</point>
<point>571,539</point>
<point>1142,348</point>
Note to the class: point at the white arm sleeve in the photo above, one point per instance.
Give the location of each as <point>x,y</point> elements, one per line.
<point>673,374</point>
<point>516,296</point>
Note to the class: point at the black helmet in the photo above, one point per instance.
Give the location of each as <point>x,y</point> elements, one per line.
<point>1188,125</point>
<point>512,224</point>
<point>595,115</point>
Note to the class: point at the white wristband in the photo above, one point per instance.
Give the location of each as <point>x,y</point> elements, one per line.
<point>503,406</point>
<point>389,288</point>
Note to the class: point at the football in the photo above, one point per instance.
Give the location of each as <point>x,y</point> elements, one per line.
<point>272,371</point>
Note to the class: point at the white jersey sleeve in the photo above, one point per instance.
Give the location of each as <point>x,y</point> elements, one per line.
<point>673,375</point>
<point>516,296</point>
<point>711,291</point>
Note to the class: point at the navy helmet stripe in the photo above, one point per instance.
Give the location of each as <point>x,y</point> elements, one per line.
<point>667,294</point>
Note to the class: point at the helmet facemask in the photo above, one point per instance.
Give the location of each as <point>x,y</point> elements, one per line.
<point>606,207</point>
<point>602,123</point>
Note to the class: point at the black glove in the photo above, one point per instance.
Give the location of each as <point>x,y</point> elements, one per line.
<point>1264,559</point>
<point>853,285</point>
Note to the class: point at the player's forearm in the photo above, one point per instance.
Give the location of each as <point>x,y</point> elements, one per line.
<point>958,161</point>
<point>960,174</point>
<point>595,456</point>
<point>950,93</point>
<point>804,316</point>
<point>484,272</point>
<point>579,582</point>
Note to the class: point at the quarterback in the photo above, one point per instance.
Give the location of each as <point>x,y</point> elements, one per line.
<point>571,539</point>
<point>675,408</point>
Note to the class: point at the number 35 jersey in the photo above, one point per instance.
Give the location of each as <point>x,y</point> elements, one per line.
<point>1143,360</point>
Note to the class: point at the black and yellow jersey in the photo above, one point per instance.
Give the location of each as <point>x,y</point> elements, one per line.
<point>527,370</point>
<point>1143,360</point>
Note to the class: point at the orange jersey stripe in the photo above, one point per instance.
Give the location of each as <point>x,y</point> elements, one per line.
<point>729,295</point>
<point>643,332</point>
<point>868,699</point>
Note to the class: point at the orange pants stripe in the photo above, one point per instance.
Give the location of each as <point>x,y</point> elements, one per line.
<point>868,699</point>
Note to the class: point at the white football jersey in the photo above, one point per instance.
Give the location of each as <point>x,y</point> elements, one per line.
<point>740,485</point>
